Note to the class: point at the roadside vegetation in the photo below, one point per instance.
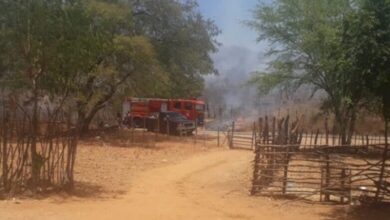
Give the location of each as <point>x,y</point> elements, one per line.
<point>341,48</point>
<point>63,61</point>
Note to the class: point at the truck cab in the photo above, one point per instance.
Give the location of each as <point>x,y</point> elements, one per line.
<point>192,109</point>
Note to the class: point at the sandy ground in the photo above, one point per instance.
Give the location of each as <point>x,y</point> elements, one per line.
<point>172,180</point>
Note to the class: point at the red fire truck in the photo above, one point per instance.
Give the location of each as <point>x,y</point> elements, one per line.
<point>137,109</point>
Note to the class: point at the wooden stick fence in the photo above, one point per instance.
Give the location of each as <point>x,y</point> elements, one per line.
<point>56,146</point>
<point>320,172</point>
<point>289,161</point>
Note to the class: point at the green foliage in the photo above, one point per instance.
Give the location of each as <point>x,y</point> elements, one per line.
<point>280,77</point>
<point>183,40</point>
<point>340,47</point>
<point>305,36</point>
<point>92,51</point>
<point>367,45</point>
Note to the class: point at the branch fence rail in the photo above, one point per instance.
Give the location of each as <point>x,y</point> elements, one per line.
<point>55,143</point>
<point>315,166</point>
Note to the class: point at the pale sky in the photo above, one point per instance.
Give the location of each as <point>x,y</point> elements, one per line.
<point>228,15</point>
<point>240,53</point>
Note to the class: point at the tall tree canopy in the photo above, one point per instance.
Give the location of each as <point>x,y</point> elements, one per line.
<point>183,40</point>
<point>93,50</point>
<point>310,46</point>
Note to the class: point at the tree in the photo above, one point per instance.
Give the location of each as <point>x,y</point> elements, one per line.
<point>85,53</point>
<point>307,49</point>
<point>95,50</point>
<point>39,54</point>
<point>183,40</point>
<point>153,49</point>
<point>367,42</point>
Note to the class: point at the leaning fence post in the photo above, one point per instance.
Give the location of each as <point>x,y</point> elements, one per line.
<point>316,137</point>
<point>311,138</point>
<point>326,132</point>
<point>260,129</point>
<point>255,170</point>
<point>286,130</point>
<point>322,184</point>
<point>383,164</point>
<point>232,135</point>
<point>343,176</point>
<point>327,177</point>
<point>265,132</point>
<point>285,173</point>
<point>273,130</point>
<point>253,135</point>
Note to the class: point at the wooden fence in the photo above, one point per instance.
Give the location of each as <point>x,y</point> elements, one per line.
<point>50,153</point>
<point>240,140</point>
<point>316,166</point>
<point>272,130</point>
<point>318,173</point>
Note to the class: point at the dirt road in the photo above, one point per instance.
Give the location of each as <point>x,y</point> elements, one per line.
<point>212,185</point>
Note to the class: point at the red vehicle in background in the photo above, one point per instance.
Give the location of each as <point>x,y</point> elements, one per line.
<point>135,110</point>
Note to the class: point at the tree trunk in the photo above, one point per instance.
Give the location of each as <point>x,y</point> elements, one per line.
<point>34,133</point>
<point>386,115</point>
<point>4,153</point>
<point>340,127</point>
<point>383,166</point>
<point>345,124</point>
<point>351,130</point>
<point>86,119</point>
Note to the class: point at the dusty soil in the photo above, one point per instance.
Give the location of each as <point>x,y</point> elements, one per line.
<point>171,180</point>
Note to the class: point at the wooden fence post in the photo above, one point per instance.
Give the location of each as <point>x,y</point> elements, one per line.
<point>232,136</point>
<point>260,129</point>
<point>273,130</point>
<point>383,164</point>
<point>327,178</point>
<point>311,138</point>
<point>343,176</point>
<point>255,170</point>
<point>316,137</point>
<point>253,136</point>
<point>285,172</point>
<point>286,130</point>
<point>326,132</point>
<point>266,130</point>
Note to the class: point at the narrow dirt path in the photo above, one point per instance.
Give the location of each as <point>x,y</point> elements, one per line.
<point>213,185</point>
